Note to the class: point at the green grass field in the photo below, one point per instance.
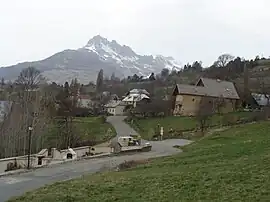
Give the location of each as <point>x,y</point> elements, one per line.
<point>94,128</point>
<point>147,126</point>
<point>87,129</point>
<point>229,166</point>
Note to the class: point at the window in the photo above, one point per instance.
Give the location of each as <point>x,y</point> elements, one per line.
<point>179,106</point>
<point>69,156</point>
<point>40,160</point>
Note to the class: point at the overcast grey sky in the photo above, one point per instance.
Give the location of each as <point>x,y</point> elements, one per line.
<point>188,30</point>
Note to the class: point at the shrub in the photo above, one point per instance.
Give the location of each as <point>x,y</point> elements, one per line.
<point>128,119</point>
<point>131,164</point>
<point>152,134</point>
<point>257,116</point>
<point>230,119</point>
<point>156,108</point>
<point>174,134</point>
<point>198,134</point>
<point>103,119</point>
<point>13,166</point>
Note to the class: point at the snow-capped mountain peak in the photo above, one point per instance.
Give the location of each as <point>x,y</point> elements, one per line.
<point>111,51</point>
<point>85,63</point>
<point>106,48</point>
<point>97,40</point>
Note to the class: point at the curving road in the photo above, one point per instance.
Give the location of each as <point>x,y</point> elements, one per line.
<point>18,184</point>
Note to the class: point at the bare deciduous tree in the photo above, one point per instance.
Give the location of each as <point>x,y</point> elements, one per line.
<point>153,108</point>
<point>2,82</point>
<point>204,113</point>
<point>219,103</point>
<point>65,121</point>
<point>28,107</point>
<point>29,78</point>
<point>223,60</point>
<point>37,114</point>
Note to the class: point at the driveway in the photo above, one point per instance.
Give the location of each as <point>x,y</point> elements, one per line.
<point>122,129</point>
<point>16,185</point>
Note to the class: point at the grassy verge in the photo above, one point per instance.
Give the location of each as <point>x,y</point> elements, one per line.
<point>149,126</point>
<point>229,166</point>
<point>88,130</point>
<point>94,128</point>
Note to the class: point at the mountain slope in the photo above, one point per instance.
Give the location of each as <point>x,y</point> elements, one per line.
<point>84,63</point>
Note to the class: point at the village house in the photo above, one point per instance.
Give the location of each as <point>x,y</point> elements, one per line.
<point>85,101</point>
<point>136,96</point>
<point>114,97</point>
<point>115,107</point>
<point>220,94</point>
<point>118,107</point>
<point>261,100</point>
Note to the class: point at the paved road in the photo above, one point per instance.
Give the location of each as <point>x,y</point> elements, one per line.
<point>122,129</point>
<point>15,185</point>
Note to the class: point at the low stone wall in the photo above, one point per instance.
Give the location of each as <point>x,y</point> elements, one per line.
<point>56,157</point>
<point>81,151</point>
<point>99,150</point>
<point>21,162</point>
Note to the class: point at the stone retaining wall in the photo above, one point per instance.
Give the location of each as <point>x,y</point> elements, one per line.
<point>57,156</point>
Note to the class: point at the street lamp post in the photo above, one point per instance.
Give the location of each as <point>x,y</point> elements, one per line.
<point>30,129</point>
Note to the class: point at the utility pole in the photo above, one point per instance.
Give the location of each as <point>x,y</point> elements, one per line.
<point>246,78</point>
<point>246,84</point>
<point>30,129</point>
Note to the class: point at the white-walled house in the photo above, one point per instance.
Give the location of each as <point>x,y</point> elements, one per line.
<point>261,99</point>
<point>115,108</point>
<point>139,91</point>
<point>85,101</point>
<point>136,95</point>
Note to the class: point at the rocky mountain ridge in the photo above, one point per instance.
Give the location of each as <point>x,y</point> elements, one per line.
<point>84,63</point>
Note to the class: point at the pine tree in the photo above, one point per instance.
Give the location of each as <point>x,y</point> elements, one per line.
<point>66,89</point>
<point>99,82</point>
<point>2,81</point>
<point>113,77</point>
<point>74,86</point>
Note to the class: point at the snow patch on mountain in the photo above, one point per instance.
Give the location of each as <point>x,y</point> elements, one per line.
<point>124,56</point>
<point>85,63</point>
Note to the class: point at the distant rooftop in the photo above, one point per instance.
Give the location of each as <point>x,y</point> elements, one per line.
<point>211,88</point>
<point>139,91</point>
